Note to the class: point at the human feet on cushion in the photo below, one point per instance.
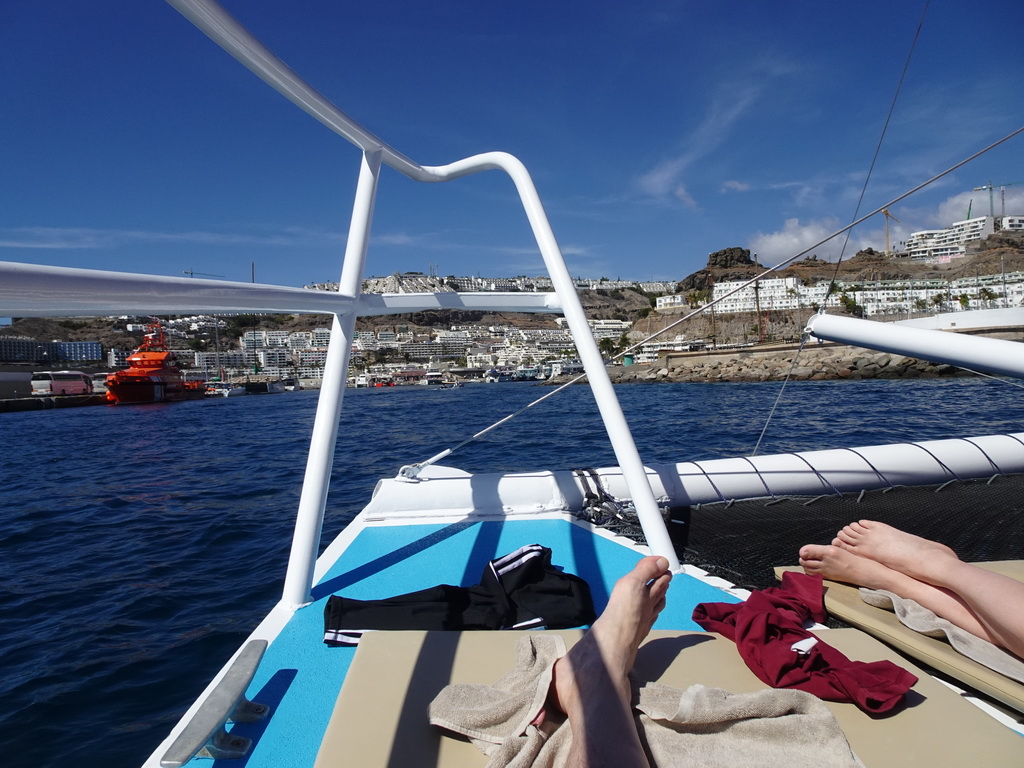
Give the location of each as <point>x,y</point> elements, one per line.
<point>913,555</point>
<point>836,564</point>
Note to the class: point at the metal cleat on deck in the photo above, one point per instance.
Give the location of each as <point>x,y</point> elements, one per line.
<point>205,736</point>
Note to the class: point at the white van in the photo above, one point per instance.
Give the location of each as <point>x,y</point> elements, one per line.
<point>61,383</point>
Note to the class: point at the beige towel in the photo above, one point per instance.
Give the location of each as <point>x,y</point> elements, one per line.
<point>700,726</point>
<point>920,619</point>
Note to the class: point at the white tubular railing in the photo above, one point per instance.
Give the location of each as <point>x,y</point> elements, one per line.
<point>310,517</point>
<point>237,41</point>
<point>28,290</point>
<point>975,352</point>
<point>31,290</point>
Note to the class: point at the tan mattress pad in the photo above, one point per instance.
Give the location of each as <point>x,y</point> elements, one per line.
<point>380,718</point>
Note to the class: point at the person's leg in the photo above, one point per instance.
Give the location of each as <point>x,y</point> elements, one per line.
<point>837,564</point>
<point>591,682</point>
<point>996,600</point>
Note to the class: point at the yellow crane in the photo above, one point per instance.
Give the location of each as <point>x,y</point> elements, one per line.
<point>888,251</point>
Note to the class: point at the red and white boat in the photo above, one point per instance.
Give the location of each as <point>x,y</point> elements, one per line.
<point>152,375</point>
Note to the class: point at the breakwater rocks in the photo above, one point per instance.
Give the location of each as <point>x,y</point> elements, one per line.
<point>813,364</point>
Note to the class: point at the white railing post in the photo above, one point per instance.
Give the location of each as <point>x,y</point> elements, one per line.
<point>310,516</point>
<point>621,438</point>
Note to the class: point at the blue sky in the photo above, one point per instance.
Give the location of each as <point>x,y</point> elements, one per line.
<point>656,132</point>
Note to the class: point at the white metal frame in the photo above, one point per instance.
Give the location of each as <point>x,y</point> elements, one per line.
<point>977,353</point>
<point>31,290</point>
<point>237,41</point>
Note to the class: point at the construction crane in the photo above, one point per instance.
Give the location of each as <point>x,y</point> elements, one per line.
<point>888,252</point>
<point>1002,196</point>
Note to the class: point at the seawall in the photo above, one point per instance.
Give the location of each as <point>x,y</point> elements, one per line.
<point>816,362</point>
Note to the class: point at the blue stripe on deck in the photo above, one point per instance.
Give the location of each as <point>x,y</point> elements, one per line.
<point>300,676</point>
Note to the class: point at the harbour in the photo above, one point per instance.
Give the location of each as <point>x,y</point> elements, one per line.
<point>173,500</point>
<point>142,543</point>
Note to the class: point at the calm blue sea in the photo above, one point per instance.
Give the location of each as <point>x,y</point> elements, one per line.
<point>139,545</point>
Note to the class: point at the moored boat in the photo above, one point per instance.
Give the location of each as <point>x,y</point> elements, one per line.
<point>269,387</point>
<point>152,375</point>
<point>224,389</point>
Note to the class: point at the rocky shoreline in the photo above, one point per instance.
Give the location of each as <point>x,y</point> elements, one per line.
<point>816,363</point>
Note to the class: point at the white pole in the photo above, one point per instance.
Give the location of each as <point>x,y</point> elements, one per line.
<point>309,519</point>
<point>975,352</point>
<point>621,438</point>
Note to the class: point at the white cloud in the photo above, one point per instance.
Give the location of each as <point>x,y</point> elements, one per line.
<point>683,196</point>
<point>666,179</point>
<point>794,237</point>
<point>735,186</point>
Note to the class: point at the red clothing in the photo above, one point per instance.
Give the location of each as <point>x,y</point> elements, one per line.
<point>767,625</point>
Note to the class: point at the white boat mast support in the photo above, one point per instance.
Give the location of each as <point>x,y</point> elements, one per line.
<point>310,516</point>
<point>30,290</point>
<point>397,303</point>
<point>978,353</point>
<point>237,41</point>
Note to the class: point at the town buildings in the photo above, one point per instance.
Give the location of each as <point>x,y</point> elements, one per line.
<point>940,246</point>
<point>876,297</point>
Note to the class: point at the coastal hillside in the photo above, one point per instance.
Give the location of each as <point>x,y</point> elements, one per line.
<point>999,253</point>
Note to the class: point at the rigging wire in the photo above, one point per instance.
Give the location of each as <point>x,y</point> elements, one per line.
<point>411,470</point>
<point>878,149</point>
<point>860,200</point>
<point>778,398</point>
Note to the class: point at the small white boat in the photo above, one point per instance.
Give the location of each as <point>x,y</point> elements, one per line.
<point>224,389</point>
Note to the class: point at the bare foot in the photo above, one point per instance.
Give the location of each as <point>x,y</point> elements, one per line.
<point>904,552</point>
<point>607,651</point>
<point>836,564</point>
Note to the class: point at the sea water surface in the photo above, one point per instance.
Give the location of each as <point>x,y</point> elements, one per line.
<point>139,545</point>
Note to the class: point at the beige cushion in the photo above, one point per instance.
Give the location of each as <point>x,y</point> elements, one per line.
<point>843,601</point>
<point>380,718</point>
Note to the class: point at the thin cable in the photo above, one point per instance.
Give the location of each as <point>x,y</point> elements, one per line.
<point>856,210</point>
<point>878,149</point>
<point>785,381</point>
<point>412,470</point>
<point>818,244</point>
<point>1000,379</point>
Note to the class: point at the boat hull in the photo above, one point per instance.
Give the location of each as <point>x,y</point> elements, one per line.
<point>135,390</point>
<point>264,387</point>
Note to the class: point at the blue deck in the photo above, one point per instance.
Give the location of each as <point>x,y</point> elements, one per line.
<point>300,676</point>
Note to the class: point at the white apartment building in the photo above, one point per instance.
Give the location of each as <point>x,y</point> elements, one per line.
<point>602,328</point>
<point>253,340</point>
<point>233,358</point>
<point>310,358</point>
<point>321,337</point>
<point>938,246</point>
<point>764,295</point>
<point>273,358</point>
<point>277,338</point>
<point>300,340</point>
<point>883,297</point>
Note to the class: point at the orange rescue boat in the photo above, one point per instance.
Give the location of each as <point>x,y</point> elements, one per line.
<point>152,375</point>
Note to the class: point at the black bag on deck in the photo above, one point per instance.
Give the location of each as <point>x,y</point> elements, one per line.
<point>521,590</point>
